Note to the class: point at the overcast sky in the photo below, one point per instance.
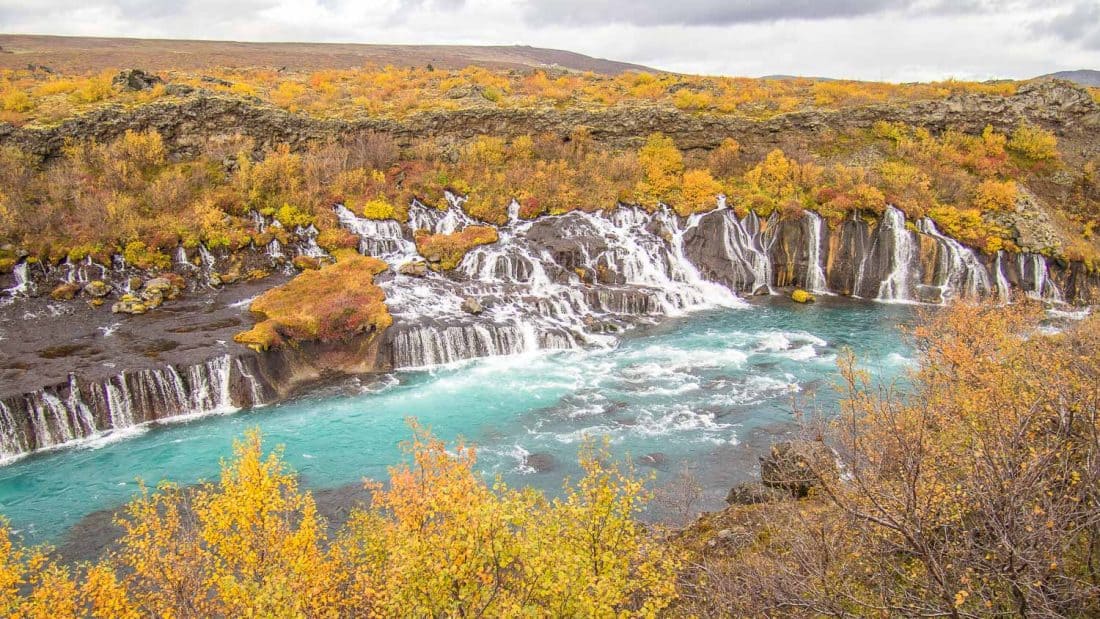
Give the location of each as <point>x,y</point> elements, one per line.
<point>897,40</point>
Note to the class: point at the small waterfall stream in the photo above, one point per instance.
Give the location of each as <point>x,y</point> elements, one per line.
<point>895,287</point>
<point>816,281</point>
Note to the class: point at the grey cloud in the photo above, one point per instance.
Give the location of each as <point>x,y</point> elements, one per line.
<point>728,12</point>
<point>1081,24</point>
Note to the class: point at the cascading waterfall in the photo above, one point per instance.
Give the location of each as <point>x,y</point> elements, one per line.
<point>22,280</point>
<point>959,272</point>
<point>1035,279</point>
<point>815,273</point>
<point>52,417</point>
<point>382,238</point>
<point>1004,289</point>
<point>556,282</point>
<point>896,285</point>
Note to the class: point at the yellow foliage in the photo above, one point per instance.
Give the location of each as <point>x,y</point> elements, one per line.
<point>379,208</point>
<point>662,168</point>
<point>994,195</point>
<point>1034,143</point>
<point>700,192</point>
<point>16,101</point>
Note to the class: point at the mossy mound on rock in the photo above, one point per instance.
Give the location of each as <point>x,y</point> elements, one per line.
<point>801,296</point>
<point>445,251</point>
<point>335,302</point>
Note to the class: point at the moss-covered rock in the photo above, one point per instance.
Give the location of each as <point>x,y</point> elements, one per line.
<point>801,296</point>
<point>65,292</point>
<point>97,289</point>
<point>335,302</point>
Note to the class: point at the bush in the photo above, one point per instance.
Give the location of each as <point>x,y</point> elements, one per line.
<point>445,251</point>
<point>1034,143</point>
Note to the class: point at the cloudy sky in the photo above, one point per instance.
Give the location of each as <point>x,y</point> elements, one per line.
<point>897,40</point>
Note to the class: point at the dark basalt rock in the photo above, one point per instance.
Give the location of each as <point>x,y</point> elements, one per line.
<point>541,462</point>
<point>797,466</point>
<point>655,460</point>
<point>753,492</point>
<point>135,79</point>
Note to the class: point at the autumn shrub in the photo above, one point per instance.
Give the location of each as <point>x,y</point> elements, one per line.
<point>445,251</point>
<point>970,492</point>
<point>993,195</point>
<point>662,167</point>
<point>1034,143</point>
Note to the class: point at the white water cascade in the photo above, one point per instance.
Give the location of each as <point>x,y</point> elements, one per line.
<point>816,281</point>
<point>1035,279</point>
<point>895,287</point>
<point>57,416</point>
<point>959,272</point>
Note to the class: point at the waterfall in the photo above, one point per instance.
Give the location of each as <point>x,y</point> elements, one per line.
<point>22,280</point>
<point>56,416</point>
<point>960,272</point>
<point>895,287</point>
<point>275,250</point>
<point>380,238</point>
<point>309,246</point>
<point>815,272</point>
<point>1004,290</point>
<point>1035,279</point>
<point>556,282</point>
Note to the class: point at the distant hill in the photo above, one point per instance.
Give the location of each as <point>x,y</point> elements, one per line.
<point>80,54</point>
<point>1084,77</point>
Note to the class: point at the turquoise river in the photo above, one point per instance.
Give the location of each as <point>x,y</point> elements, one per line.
<point>704,393</point>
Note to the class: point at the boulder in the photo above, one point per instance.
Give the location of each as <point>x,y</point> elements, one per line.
<point>97,288</point>
<point>655,460</point>
<point>754,492</point>
<point>801,296</point>
<point>415,268</point>
<point>540,462</point>
<point>136,283</point>
<point>306,263</point>
<point>178,90</point>
<point>129,304</point>
<point>135,79</point>
<point>65,292</point>
<point>797,466</point>
<point>471,305</point>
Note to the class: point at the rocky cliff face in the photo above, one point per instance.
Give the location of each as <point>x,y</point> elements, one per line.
<point>560,282</point>
<point>187,121</point>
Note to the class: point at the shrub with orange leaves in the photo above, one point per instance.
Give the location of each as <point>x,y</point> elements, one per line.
<point>445,251</point>
<point>971,491</point>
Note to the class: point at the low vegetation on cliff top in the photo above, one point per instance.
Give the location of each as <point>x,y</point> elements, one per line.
<point>131,198</point>
<point>42,97</point>
<point>974,493</point>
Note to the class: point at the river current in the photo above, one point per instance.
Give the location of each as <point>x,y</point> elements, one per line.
<point>704,393</point>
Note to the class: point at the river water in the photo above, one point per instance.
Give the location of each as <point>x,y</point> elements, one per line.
<point>706,393</point>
